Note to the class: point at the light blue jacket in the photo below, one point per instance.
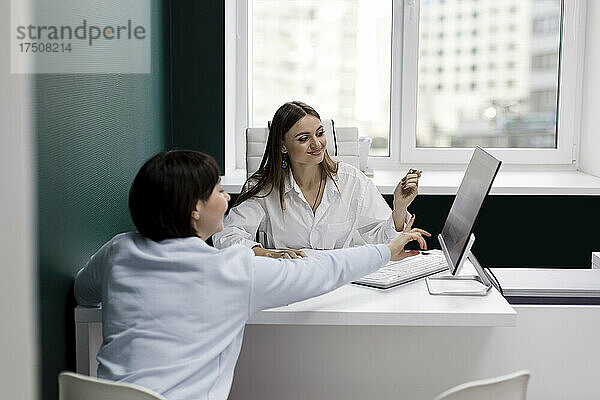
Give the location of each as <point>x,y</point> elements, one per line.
<point>174,311</point>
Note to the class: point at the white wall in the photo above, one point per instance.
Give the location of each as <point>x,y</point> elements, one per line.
<point>18,345</point>
<point>589,152</point>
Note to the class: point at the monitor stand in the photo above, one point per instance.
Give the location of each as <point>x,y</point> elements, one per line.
<point>460,285</point>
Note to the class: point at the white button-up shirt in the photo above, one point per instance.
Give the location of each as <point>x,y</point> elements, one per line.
<point>354,215</point>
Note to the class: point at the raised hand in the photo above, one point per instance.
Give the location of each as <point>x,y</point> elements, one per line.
<point>407,189</point>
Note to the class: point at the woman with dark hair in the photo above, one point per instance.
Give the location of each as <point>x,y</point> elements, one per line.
<point>301,199</point>
<point>174,308</point>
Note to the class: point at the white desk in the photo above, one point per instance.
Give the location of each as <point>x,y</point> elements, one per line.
<point>405,305</point>
<point>361,343</point>
<point>350,305</point>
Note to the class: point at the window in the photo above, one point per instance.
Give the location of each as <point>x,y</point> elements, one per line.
<point>490,115</point>
<point>334,55</point>
<point>387,67</point>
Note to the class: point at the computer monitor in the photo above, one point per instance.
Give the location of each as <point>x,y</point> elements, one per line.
<point>457,236</point>
<point>475,186</point>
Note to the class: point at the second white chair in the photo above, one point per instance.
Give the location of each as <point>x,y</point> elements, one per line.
<point>73,386</point>
<point>507,387</point>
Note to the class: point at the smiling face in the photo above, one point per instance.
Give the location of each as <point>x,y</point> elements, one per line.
<point>305,142</point>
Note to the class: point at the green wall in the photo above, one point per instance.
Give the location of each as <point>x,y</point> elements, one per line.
<point>93,134</point>
<point>198,76</point>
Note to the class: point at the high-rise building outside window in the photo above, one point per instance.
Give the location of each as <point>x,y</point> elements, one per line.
<point>332,54</point>
<point>520,113</point>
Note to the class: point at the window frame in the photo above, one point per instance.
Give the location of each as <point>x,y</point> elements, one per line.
<point>403,93</point>
<point>569,103</point>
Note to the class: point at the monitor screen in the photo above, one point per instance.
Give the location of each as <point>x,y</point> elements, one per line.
<point>475,185</point>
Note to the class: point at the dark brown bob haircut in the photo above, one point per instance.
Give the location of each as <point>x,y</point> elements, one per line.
<point>165,192</point>
<point>270,175</point>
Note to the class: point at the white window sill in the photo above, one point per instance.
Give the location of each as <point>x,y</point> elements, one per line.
<point>572,183</point>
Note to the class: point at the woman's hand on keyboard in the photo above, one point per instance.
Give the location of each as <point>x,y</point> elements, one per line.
<point>408,235</point>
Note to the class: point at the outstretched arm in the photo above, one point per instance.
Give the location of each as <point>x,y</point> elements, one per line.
<point>278,282</point>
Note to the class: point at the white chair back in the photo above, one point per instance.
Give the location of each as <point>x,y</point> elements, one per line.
<point>342,145</point>
<point>256,143</point>
<point>507,387</point>
<point>73,386</point>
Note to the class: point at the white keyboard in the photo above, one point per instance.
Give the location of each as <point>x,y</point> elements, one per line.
<point>398,272</point>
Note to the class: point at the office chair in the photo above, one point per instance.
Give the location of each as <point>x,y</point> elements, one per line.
<point>73,386</point>
<point>507,387</point>
<point>342,145</point>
